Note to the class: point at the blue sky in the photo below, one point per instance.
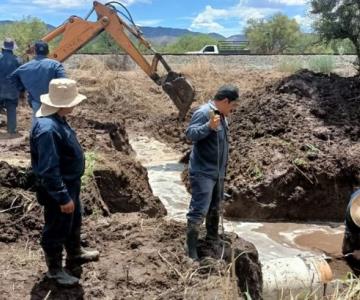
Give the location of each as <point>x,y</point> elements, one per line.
<point>226,17</point>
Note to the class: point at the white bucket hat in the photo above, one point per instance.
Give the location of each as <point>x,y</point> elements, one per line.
<point>355,209</point>
<point>62,93</point>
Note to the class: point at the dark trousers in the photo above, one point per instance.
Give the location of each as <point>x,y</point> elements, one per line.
<point>10,106</point>
<point>206,196</point>
<point>61,230</point>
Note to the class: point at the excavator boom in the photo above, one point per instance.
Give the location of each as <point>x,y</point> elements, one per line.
<point>77,32</point>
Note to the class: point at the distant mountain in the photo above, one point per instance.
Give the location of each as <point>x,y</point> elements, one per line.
<point>151,32</point>
<point>237,38</point>
<point>6,22</point>
<point>165,35</point>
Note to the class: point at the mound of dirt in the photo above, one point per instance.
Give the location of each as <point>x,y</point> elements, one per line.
<point>20,215</point>
<point>142,258</point>
<point>294,149</point>
<point>124,186</point>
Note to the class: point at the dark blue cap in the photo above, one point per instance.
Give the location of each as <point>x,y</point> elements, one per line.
<point>41,48</point>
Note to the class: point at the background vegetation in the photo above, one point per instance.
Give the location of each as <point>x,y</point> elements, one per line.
<point>336,31</point>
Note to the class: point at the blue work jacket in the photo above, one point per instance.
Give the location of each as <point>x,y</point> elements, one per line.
<point>35,76</point>
<point>8,64</point>
<point>209,154</point>
<point>57,158</point>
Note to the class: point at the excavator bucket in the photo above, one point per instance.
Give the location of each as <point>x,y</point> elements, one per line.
<point>180,91</point>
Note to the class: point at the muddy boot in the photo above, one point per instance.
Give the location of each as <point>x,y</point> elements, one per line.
<point>212,226</point>
<point>192,235</point>
<point>57,273</point>
<point>81,255</point>
<point>76,253</point>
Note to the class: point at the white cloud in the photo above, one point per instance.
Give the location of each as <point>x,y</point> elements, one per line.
<point>153,22</point>
<point>211,18</point>
<point>290,2</point>
<point>62,3</point>
<point>305,22</point>
<point>65,4</point>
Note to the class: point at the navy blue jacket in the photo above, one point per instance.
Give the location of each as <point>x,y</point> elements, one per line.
<point>36,75</point>
<point>56,156</point>
<point>8,64</point>
<point>209,154</point>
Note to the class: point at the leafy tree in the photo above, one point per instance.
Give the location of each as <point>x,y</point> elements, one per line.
<point>338,19</point>
<point>24,32</point>
<point>274,36</point>
<point>189,43</point>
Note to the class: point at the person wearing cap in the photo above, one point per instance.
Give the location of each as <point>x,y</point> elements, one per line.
<point>34,76</point>
<point>8,92</point>
<point>208,131</point>
<point>57,161</point>
<point>351,241</point>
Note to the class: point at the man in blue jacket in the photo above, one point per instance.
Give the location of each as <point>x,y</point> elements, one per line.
<point>58,162</point>
<point>8,92</point>
<point>208,130</point>
<point>35,76</point>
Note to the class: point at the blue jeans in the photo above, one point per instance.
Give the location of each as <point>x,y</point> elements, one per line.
<point>10,106</point>
<point>206,195</point>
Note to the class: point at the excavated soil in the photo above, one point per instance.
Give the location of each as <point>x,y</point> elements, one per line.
<point>140,258</point>
<point>294,149</point>
<point>295,152</point>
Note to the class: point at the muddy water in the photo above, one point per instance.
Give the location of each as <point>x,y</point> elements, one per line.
<point>273,240</point>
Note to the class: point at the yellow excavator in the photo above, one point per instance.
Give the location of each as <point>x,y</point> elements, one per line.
<point>76,32</point>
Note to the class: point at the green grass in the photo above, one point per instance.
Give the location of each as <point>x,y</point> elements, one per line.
<point>290,65</point>
<point>300,162</point>
<point>90,162</point>
<point>322,64</point>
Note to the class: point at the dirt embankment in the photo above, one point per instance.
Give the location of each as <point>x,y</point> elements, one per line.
<point>113,182</point>
<point>295,150</point>
<point>141,258</point>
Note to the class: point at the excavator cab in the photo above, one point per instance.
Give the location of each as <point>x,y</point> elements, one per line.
<point>77,32</point>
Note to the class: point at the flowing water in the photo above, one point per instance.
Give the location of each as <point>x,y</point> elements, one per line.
<point>272,240</point>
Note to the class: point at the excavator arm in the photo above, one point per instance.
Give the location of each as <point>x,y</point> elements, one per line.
<point>77,32</point>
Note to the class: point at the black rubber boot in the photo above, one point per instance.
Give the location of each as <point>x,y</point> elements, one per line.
<point>212,226</point>
<point>57,272</point>
<point>192,235</point>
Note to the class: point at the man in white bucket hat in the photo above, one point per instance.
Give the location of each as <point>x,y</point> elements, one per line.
<point>58,162</point>
<point>351,242</point>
